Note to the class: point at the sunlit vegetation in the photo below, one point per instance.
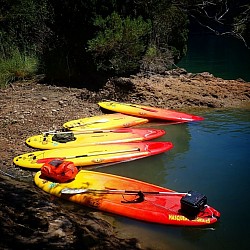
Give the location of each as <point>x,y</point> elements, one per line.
<point>78,41</point>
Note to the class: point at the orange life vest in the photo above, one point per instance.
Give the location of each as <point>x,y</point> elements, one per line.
<point>59,170</point>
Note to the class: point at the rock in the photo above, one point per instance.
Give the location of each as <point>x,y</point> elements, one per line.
<point>30,220</point>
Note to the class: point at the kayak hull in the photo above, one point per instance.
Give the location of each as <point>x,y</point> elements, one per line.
<point>94,154</point>
<point>149,112</point>
<point>95,137</point>
<point>154,208</point>
<point>107,121</point>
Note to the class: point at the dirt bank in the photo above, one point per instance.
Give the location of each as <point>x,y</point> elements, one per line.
<point>30,107</point>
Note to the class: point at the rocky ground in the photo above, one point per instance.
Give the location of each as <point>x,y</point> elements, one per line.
<point>29,218</point>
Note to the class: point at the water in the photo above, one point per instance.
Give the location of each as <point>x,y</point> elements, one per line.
<point>211,157</point>
<point>224,57</point>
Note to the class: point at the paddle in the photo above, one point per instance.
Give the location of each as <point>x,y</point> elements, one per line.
<point>143,108</point>
<point>139,107</point>
<point>88,123</point>
<point>44,160</point>
<point>123,130</point>
<point>79,125</point>
<point>117,191</point>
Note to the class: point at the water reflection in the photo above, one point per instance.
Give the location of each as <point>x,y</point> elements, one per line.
<point>155,169</point>
<point>217,55</point>
<point>211,157</point>
<point>230,121</point>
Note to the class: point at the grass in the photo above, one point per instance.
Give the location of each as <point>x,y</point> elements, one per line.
<point>17,67</point>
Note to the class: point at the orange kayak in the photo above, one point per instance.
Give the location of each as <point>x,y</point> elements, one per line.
<point>132,198</point>
<point>149,112</point>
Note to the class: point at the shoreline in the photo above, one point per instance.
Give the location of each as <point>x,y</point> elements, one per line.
<point>30,217</point>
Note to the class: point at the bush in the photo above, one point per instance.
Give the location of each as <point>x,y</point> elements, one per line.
<point>157,61</point>
<point>17,67</point>
<point>120,43</point>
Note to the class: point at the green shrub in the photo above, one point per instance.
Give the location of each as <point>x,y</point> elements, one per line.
<point>120,43</point>
<point>17,67</point>
<point>156,60</point>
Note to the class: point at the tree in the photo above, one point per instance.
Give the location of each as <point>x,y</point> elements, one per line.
<point>23,26</point>
<point>119,43</point>
<point>23,36</point>
<point>76,38</point>
<point>223,17</point>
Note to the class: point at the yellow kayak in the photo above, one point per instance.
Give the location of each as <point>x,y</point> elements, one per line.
<point>107,121</point>
<point>93,154</point>
<point>51,140</point>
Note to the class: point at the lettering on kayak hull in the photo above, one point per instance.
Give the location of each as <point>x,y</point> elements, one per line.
<point>175,217</point>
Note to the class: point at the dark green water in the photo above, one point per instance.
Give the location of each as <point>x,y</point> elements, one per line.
<point>224,57</point>
<point>212,157</point>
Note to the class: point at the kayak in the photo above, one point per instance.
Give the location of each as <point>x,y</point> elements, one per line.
<point>50,140</point>
<point>106,121</point>
<point>94,154</point>
<point>131,198</point>
<point>149,112</point>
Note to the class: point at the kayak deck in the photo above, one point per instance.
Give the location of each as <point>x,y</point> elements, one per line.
<point>149,112</point>
<point>94,154</point>
<point>152,207</point>
<point>52,140</point>
<point>106,121</point>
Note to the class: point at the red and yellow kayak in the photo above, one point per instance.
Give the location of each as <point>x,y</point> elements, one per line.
<point>128,197</point>
<point>93,154</point>
<point>106,121</point>
<point>52,140</point>
<point>149,112</point>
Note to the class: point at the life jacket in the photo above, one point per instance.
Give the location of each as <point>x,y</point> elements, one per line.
<point>59,170</point>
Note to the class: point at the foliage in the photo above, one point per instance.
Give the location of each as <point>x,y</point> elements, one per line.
<point>223,17</point>
<point>17,67</point>
<point>119,43</point>
<point>23,36</point>
<point>156,61</point>
<point>23,26</point>
<point>170,31</point>
<point>241,24</point>
<point>75,40</point>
